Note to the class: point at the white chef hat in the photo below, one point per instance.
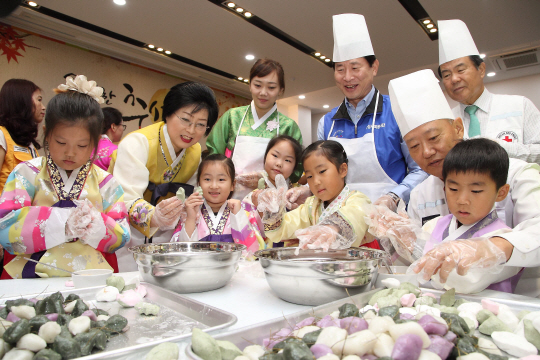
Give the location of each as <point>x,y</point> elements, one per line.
<point>351,37</point>
<point>417,99</point>
<point>455,41</point>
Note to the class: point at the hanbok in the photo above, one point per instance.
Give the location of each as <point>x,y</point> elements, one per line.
<point>35,207</point>
<point>104,152</point>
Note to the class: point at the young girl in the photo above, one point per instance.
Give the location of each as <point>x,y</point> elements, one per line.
<point>212,215</point>
<point>334,217</point>
<point>61,209</point>
<point>243,132</point>
<point>112,131</point>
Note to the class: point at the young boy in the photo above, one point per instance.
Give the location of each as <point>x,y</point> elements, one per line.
<point>474,173</point>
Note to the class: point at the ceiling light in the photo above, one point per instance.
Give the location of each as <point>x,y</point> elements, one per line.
<point>167,52</point>
<point>326,106</point>
<point>231,4</point>
<point>491,74</point>
<point>433,30</point>
<point>323,57</point>
<point>31,3</point>
<point>159,49</point>
<point>427,21</point>
<point>248,14</point>
<point>120,2</point>
<point>240,78</point>
<point>250,57</point>
<point>327,60</point>
<point>246,80</point>
<point>302,97</point>
<point>317,54</point>
<point>239,10</point>
<point>151,46</point>
<point>429,26</point>
<point>482,56</point>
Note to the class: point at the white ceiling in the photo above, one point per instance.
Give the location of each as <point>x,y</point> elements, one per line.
<point>204,32</point>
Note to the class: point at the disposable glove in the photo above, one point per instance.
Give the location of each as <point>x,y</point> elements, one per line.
<point>296,196</point>
<point>271,201</point>
<point>86,224</point>
<point>250,180</point>
<point>388,201</point>
<point>167,213</point>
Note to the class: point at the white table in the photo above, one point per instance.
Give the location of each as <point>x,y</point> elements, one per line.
<point>247,296</point>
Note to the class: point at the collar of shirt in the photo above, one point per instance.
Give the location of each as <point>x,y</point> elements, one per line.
<point>483,102</point>
<point>104,136</point>
<point>356,113</point>
<point>68,181</point>
<point>170,147</point>
<point>256,121</point>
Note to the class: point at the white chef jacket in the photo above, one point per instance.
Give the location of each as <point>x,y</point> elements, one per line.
<point>520,210</point>
<point>512,120</point>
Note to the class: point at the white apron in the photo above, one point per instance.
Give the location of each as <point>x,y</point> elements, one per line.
<point>248,156</point>
<point>365,173</point>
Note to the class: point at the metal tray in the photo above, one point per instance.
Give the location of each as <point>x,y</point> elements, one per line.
<point>178,315</point>
<point>256,333</point>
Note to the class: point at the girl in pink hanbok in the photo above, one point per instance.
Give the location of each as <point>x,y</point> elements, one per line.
<point>211,213</point>
<point>113,128</point>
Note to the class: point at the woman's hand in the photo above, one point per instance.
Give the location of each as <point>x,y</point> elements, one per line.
<point>234,205</point>
<point>167,214</point>
<point>193,203</point>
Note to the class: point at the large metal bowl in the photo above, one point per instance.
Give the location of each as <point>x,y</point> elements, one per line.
<point>187,267</point>
<point>314,277</point>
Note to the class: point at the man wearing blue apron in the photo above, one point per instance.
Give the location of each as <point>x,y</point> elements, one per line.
<point>511,120</point>
<point>379,162</point>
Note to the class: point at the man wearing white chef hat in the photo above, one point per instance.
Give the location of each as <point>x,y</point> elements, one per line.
<point>379,162</point>
<point>513,121</point>
<point>430,132</point>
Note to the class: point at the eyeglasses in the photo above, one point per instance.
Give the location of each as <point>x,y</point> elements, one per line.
<point>199,127</point>
<point>124,127</point>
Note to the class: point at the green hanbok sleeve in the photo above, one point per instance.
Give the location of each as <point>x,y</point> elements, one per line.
<point>217,140</point>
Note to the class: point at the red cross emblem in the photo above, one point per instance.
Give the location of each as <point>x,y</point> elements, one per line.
<point>507,139</point>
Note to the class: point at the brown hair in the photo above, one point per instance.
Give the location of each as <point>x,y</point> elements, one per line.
<point>263,67</point>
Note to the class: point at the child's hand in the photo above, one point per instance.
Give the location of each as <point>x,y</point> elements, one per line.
<point>255,197</point>
<point>318,236</point>
<point>249,180</point>
<point>234,205</point>
<point>193,203</point>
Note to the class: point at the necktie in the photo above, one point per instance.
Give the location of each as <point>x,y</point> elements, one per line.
<point>474,126</point>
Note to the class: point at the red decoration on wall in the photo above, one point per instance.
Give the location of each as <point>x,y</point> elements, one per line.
<point>12,43</point>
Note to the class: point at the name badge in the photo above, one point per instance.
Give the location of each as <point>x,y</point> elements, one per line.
<point>21,149</point>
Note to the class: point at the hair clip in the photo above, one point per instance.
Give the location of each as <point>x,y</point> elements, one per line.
<point>82,85</point>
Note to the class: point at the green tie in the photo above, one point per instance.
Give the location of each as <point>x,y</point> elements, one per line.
<point>474,126</point>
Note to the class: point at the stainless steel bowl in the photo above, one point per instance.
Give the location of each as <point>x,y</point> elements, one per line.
<point>314,277</point>
<point>187,267</point>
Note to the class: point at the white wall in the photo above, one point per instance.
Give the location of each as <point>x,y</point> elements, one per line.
<point>302,116</point>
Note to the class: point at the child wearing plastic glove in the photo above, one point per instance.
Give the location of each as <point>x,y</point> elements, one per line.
<point>474,173</point>
<point>60,209</point>
<point>331,219</point>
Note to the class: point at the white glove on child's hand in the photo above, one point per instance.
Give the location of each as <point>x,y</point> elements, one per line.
<point>296,196</point>
<point>86,224</point>
<point>321,237</point>
<point>271,202</point>
<point>249,180</point>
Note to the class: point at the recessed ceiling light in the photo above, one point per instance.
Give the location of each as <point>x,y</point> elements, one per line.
<point>427,21</point>
<point>159,49</point>
<point>482,56</point>
<point>151,46</point>
<point>120,2</point>
<point>240,78</point>
<point>167,52</point>
<point>317,54</point>
<point>239,10</point>
<point>31,3</point>
<point>429,26</point>
<point>248,14</point>
<point>250,57</point>
<point>433,30</point>
<point>231,4</point>
<point>246,80</point>
<point>327,60</point>
<point>490,74</point>
<point>323,57</point>
<point>302,96</point>
<point>326,106</point>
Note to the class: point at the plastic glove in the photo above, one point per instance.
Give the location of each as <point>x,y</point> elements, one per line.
<point>86,224</point>
<point>296,196</point>
<point>462,255</point>
<point>167,213</point>
<point>320,236</point>
<point>271,202</point>
<point>396,230</point>
<point>250,180</point>
<point>388,201</point>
